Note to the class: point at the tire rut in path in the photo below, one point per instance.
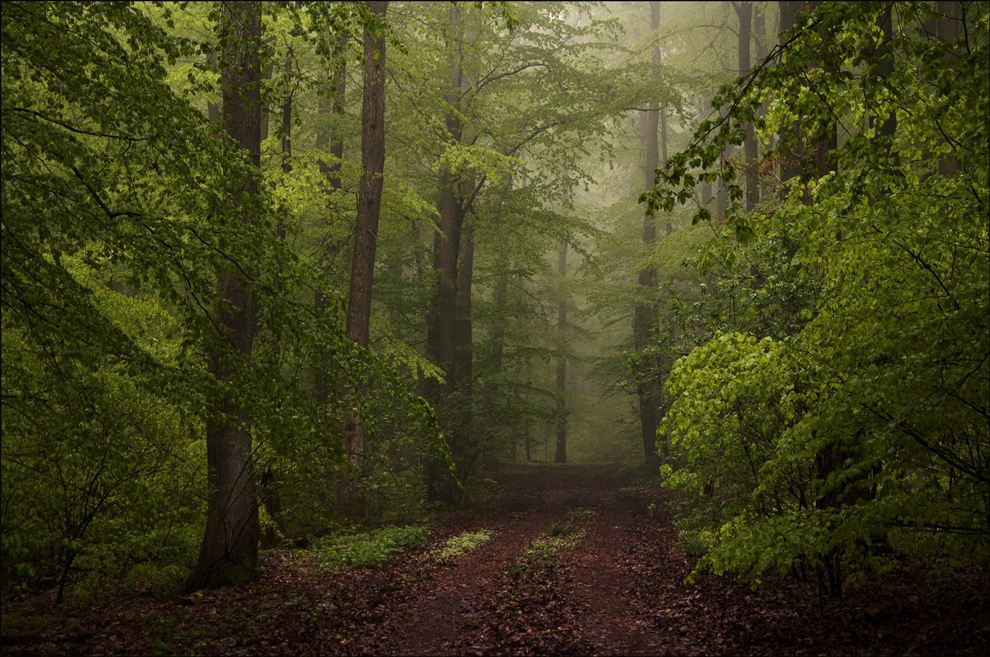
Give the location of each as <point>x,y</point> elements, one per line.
<point>437,608</point>
<point>452,610</point>
<point>612,619</point>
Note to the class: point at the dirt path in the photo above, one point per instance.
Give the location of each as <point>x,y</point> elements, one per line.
<point>618,589</point>
<point>582,602</point>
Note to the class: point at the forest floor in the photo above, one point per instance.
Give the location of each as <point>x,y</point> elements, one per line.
<point>614,585</point>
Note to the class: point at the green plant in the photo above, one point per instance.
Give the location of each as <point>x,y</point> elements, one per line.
<point>561,529</point>
<point>370,549</point>
<point>463,543</point>
<point>694,544</point>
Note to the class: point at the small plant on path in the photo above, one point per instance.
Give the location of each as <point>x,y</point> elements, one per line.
<point>371,549</point>
<point>463,543</point>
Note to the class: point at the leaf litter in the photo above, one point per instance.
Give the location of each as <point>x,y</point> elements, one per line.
<point>610,582</point>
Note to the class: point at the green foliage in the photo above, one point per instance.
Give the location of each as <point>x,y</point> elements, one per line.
<point>838,411</point>
<point>463,543</point>
<point>119,222</point>
<point>369,549</point>
<point>561,529</point>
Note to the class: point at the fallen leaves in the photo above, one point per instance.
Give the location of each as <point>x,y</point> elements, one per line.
<point>618,589</point>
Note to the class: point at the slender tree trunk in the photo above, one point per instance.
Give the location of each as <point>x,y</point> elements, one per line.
<point>644,314</point>
<point>335,138</point>
<point>365,243</point>
<point>463,334</point>
<point>744,10</point>
<point>791,165</point>
<point>560,454</point>
<point>229,553</point>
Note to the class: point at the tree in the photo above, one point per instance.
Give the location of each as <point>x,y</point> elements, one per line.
<point>859,432</point>
<point>366,228</point>
<point>644,316</point>
<point>744,11</point>
<point>229,554</point>
<point>560,452</point>
<point>156,302</point>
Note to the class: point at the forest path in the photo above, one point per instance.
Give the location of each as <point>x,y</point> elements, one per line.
<point>617,587</point>
<point>578,601</point>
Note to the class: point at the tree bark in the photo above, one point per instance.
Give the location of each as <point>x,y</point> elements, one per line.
<point>229,552</point>
<point>791,165</point>
<point>365,242</point>
<point>443,317</point>
<point>560,454</point>
<point>644,314</point>
<point>744,10</point>
<point>332,171</point>
<point>463,335</point>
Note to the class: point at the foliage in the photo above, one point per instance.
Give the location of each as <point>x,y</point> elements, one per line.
<point>561,529</point>
<point>463,543</point>
<point>854,422</point>
<point>118,222</point>
<point>368,549</point>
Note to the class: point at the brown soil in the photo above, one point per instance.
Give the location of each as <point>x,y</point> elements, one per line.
<point>619,590</point>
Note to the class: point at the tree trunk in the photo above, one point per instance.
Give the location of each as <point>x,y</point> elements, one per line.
<point>744,10</point>
<point>463,334</point>
<point>365,243</point>
<point>644,314</point>
<point>446,248</point>
<point>229,552</point>
<point>560,455</point>
<point>791,165</point>
<point>332,172</point>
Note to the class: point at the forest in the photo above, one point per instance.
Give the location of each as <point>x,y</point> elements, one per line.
<point>495,327</point>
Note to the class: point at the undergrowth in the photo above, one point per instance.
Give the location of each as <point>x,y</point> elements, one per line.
<point>461,544</point>
<point>368,549</point>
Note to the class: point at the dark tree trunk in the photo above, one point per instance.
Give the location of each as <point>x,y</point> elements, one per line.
<point>791,165</point>
<point>560,454</point>
<point>229,553</point>
<point>463,348</point>
<point>441,338</point>
<point>332,172</point>
<point>365,241</point>
<point>644,314</point>
<point>744,10</point>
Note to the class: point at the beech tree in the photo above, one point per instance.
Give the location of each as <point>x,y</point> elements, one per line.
<point>366,227</point>
<point>863,428</point>
<point>229,554</point>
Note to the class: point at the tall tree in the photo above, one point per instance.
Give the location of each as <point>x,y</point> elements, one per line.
<point>857,419</point>
<point>327,104</point>
<point>644,314</point>
<point>744,11</point>
<point>442,319</point>
<point>560,453</point>
<point>366,228</point>
<point>790,163</point>
<point>229,553</point>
